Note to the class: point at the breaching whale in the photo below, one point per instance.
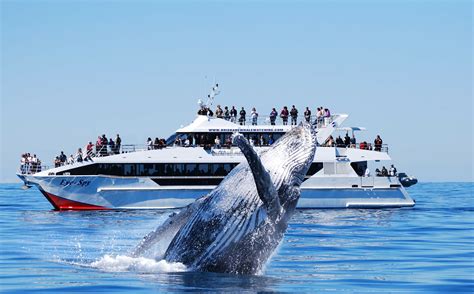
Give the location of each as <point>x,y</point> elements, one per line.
<point>238,225</point>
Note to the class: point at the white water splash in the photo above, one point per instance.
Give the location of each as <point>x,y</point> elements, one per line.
<point>122,263</point>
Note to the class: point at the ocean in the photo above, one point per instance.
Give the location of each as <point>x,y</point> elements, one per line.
<point>427,248</point>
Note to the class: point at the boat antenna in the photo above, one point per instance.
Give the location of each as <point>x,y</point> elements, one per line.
<point>210,98</point>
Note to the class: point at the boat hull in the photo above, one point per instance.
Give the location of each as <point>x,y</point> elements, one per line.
<point>104,192</point>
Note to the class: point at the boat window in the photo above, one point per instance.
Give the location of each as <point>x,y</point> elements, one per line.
<point>228,167</point>
<point>129,169</point>
<point>203,169</point>
<point>218,169</point>
<point>191,169</point>
<point>314,168</point>
<point>90,169</point>
<point>179,169</point>
<point>359,167</point>
<point>147,169</point>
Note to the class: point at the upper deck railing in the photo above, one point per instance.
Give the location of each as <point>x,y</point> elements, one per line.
<point>266,120</point>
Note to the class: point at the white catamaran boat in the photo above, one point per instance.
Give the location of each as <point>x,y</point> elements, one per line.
<point>142,177</point>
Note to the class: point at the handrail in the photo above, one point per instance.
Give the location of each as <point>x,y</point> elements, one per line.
<point>265,120</point>
<point>369,146</point>
<point>31,168</point>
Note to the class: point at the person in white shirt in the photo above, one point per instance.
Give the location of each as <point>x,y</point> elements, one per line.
<point>70,160</point>
<point>254,116</point>
<point>217,142</point>
<point>367,172</point>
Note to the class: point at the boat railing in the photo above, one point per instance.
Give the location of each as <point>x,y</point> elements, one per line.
<point>363,146</point>
<point>248,120</point>
<point>32,168</point>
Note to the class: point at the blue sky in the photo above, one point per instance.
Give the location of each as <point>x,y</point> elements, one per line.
<point>73,70</point>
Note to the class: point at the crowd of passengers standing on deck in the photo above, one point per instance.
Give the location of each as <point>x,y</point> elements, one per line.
<point>322,117</point>
<point>102,147</point>
<point>29,164</point>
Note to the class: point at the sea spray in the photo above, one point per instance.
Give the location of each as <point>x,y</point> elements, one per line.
<point>123,263</point>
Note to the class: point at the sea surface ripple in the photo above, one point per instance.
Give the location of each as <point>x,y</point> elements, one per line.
<point>428,248</point>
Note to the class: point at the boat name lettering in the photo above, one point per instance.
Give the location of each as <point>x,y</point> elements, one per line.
<point>245,130</point>
<point>80,183</point>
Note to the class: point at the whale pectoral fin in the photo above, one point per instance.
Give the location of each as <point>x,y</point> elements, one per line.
<point>265,187</point>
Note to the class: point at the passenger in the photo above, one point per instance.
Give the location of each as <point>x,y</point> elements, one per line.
<point>321,116</point>
<point>98,146</point>
<point>89,151</point>
<point>369,146</point>
<point>254,115</point>
<point>177,142</point>
<point>226,113</point>
<point>70,160</point>
<point>347,140</point>
<point>219,112</point>
<point>363,145</point>
<point>233,114</point>
<point>330,142</point>
<point>307,115</point>
<point>353,141</point>
<point>149,144</point>
<point>378,143</point>
<point>33,164</point>
<point>261,141</point>
<point>57,162</point>
<point>217,143</point>
<point>23,168</point>
<point>209,112</point>
<point>384,172</point>
<point>378,173</point>
<point>327,116</point>
<point>156,143</point>
<point>339,142</point>
<point>294,115</point>
<point>202,111</point>
<point>273,116</point>
<point>104,143</point>
<point>284,115</point>
<point>79,155</point>
<point>62,158</point>
<point>228,141</point>
<point>242,117</point>
<point>118,144</point>
<point>38,167</point>
<point>251,141</point>
<point>111,146</point>
<point>270,140</point>
<point>393,171</point>
<point>367,172</point>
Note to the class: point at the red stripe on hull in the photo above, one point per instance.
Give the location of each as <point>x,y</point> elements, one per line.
<point>60,203</point>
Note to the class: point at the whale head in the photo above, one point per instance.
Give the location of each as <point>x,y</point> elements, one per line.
<point>291,156</point>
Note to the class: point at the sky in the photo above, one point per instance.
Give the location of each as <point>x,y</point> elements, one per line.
<point>73,70</point>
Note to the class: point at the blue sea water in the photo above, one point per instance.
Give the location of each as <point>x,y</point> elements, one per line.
<point>427,248</point>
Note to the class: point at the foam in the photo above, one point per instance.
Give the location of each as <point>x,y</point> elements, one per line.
<point>122,263</point>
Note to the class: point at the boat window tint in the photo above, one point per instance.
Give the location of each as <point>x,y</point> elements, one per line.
<point>203,169</point>
<point>228,167</point>
<point>82,170</point>
<point>129,169</point>
<point>191,169</point>
<point>179,169</point>
<point>218,169</point>
<point>314,168</point>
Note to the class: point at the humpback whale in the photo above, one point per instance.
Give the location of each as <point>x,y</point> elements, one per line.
<point>237,226</point>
